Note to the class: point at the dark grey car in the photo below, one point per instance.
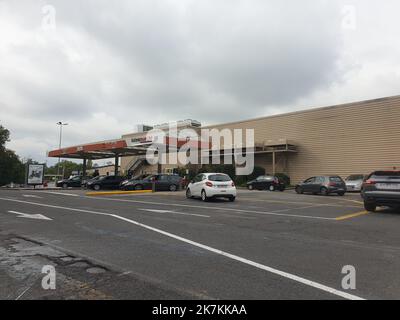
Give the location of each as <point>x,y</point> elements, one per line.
<point>381,188</point>
<point>162,182</point>
<point>324,185</point>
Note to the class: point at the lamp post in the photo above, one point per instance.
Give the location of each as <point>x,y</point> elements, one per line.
<point>61,124</point>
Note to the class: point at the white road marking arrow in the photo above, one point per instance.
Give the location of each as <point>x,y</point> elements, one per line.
<point>30,216</point>
<point>170,211</point>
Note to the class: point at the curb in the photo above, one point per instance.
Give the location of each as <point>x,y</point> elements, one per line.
<point>106,193</point>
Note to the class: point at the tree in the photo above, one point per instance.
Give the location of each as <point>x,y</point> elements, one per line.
<point>4,137</point>
<point>11,167</point>
<point>66,168</point>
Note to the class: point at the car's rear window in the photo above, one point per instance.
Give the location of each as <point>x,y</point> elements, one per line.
<point>269,178</point>
<point>355,177</point>
<point>386,174</point>
<point>335,179</point>
<point>219,177</point>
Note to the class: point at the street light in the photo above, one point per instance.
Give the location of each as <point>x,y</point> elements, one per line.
<point>61,124</point>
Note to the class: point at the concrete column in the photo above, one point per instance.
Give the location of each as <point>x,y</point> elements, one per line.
<point>273,162</point>
<point>116,165</point>
<point>84,167</point>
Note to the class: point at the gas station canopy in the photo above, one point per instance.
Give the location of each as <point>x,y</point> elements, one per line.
<point>118,148</point>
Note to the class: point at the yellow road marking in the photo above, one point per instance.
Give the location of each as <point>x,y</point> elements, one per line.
<point>105,193</point>
<point>350,216</point>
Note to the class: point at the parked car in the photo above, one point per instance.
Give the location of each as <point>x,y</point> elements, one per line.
<point>381,188</point>
<point>211,185</point>
<point>324,185</point>
<point>105,182</point>
<point>73,182</point>
<point>162,182</point>
<point>354,182</point>
<point>89,179</point>
<point>271,183</point>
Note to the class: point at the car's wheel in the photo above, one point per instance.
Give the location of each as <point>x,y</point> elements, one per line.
<point>204,196</point>
<point>172,187</point>
<point>65,186</point>
<point>271,188</point>
<point>299,190</point>
<point>370,206</point>
<point>250,187</point>
<point>138,187</point>
<point>188,193</point>
<point>231,199</point>
<point>324,191</point>
<point>96,187</point>
<point>341,194</point>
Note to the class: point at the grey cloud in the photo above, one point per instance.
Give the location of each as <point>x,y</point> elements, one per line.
<point>154,61</point>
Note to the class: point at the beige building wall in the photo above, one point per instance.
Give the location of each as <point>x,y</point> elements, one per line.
<point>351,138</point>
<point>345,139</point>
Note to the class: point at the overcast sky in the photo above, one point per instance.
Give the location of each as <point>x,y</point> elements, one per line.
<point>104,66</point>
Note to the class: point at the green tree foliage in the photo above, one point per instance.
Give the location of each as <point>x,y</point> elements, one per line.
<point>11,167</point>
<point>228,169</point>
<point>4,137</point>
<point>66,168</point>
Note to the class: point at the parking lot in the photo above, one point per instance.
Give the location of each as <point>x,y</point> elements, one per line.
<point>266,245</point>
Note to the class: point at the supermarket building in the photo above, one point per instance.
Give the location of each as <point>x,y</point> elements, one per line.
<point>353,138</point>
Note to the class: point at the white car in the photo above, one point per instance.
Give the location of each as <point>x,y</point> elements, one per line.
<point>211,185</point>
<point>354,182</point>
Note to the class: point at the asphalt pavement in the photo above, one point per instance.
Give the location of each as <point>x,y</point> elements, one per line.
<point>265,245</point>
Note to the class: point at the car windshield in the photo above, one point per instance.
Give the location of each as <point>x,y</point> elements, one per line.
<point>219,177</point>
<point>335,179</point>
<point>355,177</point>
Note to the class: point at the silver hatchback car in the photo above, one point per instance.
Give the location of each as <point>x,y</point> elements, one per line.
<point>354,182</point>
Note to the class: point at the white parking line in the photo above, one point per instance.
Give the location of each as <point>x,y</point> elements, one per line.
<point>31,196</point>
<point>174,212</point>
<point>61,193</point>
<point>300,208</point>
<point>218,208</point>
<point>283,274</point>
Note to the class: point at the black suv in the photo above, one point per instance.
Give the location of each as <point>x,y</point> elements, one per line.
<point>381,188</point>
<point>322,185</point>
<point>162,182</point>
<point>105,182</point>
<point>270,183</point>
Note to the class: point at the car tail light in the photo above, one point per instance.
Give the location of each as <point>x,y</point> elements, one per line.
<point>331,184</point>
<point>209,184</point>
<point>370,181</point>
